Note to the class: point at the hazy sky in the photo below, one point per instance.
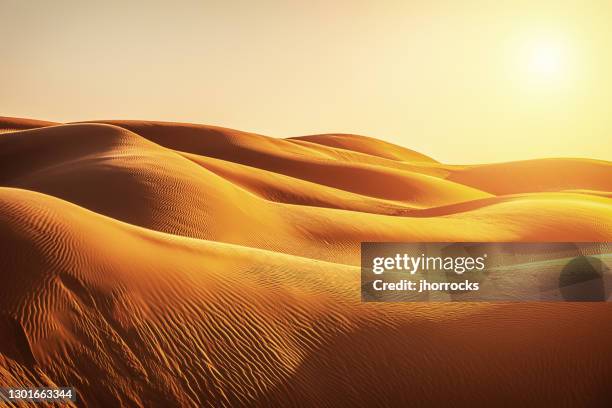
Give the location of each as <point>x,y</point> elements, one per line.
<point>462,81</point>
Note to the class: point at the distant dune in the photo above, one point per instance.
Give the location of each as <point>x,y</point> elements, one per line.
<point>367,145</point>
<point>157,264</point>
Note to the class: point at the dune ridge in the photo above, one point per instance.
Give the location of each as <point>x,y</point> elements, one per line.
<point>162,264</point>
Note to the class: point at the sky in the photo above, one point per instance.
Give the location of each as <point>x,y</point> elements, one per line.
<point>461,81</point>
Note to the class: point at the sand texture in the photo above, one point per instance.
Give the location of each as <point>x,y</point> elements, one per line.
<point>155,264</point>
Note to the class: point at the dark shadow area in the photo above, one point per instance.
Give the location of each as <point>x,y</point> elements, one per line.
<point>583,280</point>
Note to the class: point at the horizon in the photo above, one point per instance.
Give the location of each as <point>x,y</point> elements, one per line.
<point>432,156</point>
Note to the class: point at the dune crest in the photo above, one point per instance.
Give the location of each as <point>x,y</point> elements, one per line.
<point>8,124</point>
<point>366,145</point>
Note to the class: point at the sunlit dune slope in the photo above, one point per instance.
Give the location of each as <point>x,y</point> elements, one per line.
<point>11,124</point>
<point>537,175</point>
<point>366,145</point>
<point>133,317</point>
<point>118,173</point>
<point>408,189</point>
<point>313,158</point>
<point>290,190</point>
<point>288,156</point>
<point>215,141</point>
<point>592,192</point>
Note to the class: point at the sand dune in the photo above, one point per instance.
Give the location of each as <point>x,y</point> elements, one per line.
<point>537,175</point>
<point>290,190</point>
<point>366,145</point>
<point>11,124</point>
<point>158,264</point>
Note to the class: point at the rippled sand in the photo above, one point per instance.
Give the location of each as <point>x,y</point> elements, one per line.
<point>164,264</point>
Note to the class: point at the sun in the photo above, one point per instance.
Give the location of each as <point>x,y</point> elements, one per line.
<point>546,61</point>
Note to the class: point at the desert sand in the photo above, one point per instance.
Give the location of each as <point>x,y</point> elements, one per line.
<point>156,264</point>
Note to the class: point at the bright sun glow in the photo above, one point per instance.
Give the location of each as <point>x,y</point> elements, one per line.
<point>546,61</point>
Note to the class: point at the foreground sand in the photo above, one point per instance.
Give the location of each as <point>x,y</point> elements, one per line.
<point>160,264</point>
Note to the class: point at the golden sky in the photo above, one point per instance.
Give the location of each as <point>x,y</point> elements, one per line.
<point>462,81</point>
